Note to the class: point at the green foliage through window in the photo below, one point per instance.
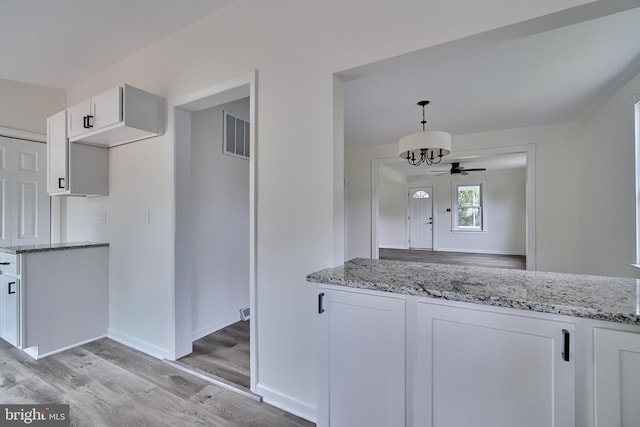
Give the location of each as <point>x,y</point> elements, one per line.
<point>469,207</point>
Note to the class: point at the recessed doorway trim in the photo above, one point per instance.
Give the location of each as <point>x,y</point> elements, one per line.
<point>528,149</point>
<point>180,110</point>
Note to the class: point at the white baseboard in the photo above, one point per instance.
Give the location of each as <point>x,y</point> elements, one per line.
<point>481,251</point>
<point>203,332</point>
<point>287,403</point>
<point>138,344</point>
<point>34,351</point>
<point>392,247</point>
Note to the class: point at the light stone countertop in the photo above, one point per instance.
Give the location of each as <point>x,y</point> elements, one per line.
<point>47,247</point>
<point>593,297</point>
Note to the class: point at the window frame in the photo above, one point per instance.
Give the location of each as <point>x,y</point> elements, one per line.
<point>456,228</point>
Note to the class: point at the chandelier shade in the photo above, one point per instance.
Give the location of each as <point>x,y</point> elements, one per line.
<point>424,147</point>
<point>430,144</point>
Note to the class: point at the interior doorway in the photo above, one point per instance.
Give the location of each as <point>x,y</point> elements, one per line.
<point>420,218</point>
<point>379,167</point>
<point>215,217</point>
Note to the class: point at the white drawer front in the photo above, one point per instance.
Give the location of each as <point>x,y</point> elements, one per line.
<point>9,264</point>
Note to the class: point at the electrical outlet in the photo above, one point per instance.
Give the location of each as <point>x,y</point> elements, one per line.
<point>102,217</point>
<point>147,216</point>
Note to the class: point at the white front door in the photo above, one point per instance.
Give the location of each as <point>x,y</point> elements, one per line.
<point>24,202</point>
<point>420,218</point>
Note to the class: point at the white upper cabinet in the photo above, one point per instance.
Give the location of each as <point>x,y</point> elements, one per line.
<point>120,115</point>
<point>96,113</point>
<point>57,153</point>
<point>73,168</point>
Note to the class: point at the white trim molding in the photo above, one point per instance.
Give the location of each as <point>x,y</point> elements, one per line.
<point>21,134</point>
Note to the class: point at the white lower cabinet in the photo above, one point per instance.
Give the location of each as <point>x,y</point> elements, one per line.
<point>361,359</point>
<point>399,360</point>
<point>10,309</point>
<point>617,378</point>
<point>486,369</point>
<point>54,300</point>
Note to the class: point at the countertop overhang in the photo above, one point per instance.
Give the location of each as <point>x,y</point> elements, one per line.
<point>593,297</point>
<point>47,247</point>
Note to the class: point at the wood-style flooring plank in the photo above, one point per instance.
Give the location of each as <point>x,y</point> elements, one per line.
<point>516,262</point>
<point>108,384</point>
<point>224,353</point>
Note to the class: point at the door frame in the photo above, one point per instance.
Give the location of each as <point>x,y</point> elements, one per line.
<point>433,218</point>
<point>180,110</point>
<point>528,149</point>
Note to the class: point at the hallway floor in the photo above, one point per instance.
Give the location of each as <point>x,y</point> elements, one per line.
<point>224,353</point>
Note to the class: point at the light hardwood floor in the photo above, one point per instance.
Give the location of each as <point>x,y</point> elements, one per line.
<point>516,262</point>
<point>224,353</point>
<point>108,384</point>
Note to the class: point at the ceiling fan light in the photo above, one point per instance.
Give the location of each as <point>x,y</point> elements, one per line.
<point>433,143</point>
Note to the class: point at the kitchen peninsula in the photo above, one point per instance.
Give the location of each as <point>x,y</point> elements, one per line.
<point>53,296</point>
<point>418,344</point>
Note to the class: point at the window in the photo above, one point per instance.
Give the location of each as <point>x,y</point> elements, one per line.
<point>468,212</point>
<point>236,136</point>
<point>420,194</point>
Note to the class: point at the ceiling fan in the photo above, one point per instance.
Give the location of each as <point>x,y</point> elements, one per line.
<point>457,169</point>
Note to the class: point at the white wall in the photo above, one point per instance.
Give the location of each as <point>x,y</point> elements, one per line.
<point>607,185</point>
<point>220,223</point>
<point>556,192</point>
<point>296,61</point>
<point>392,214</point>
<point>26,107</point>
<point>504,212</point>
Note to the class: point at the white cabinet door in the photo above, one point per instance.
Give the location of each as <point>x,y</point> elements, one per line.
<point>484,369</point>
<point>9,309</point>
<point>57,153</point>
<point>617,378</point>
<point>106,108</point>
<point>361,360</point>
<point>95,113</point>
<point>77,122</point>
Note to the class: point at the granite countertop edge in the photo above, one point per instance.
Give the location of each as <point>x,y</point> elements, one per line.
<point>408,286</point>
<point>48,247</point>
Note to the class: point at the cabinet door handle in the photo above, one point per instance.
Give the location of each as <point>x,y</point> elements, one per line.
<point>567,337</point>
<point>5,263</point>
<point>9,288</point>
<point>60,182</point>
<point>87,122</point>
<point>320,303</point>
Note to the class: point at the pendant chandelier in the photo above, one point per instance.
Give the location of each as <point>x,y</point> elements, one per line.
<point>425,147</point>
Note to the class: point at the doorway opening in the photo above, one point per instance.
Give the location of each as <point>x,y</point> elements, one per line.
<point>215,316</point>
<point>521,158</point>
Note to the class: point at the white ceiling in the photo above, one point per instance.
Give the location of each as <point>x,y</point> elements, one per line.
<point>474,85</point>
<point>550,77</point>
<point>59,43</point>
